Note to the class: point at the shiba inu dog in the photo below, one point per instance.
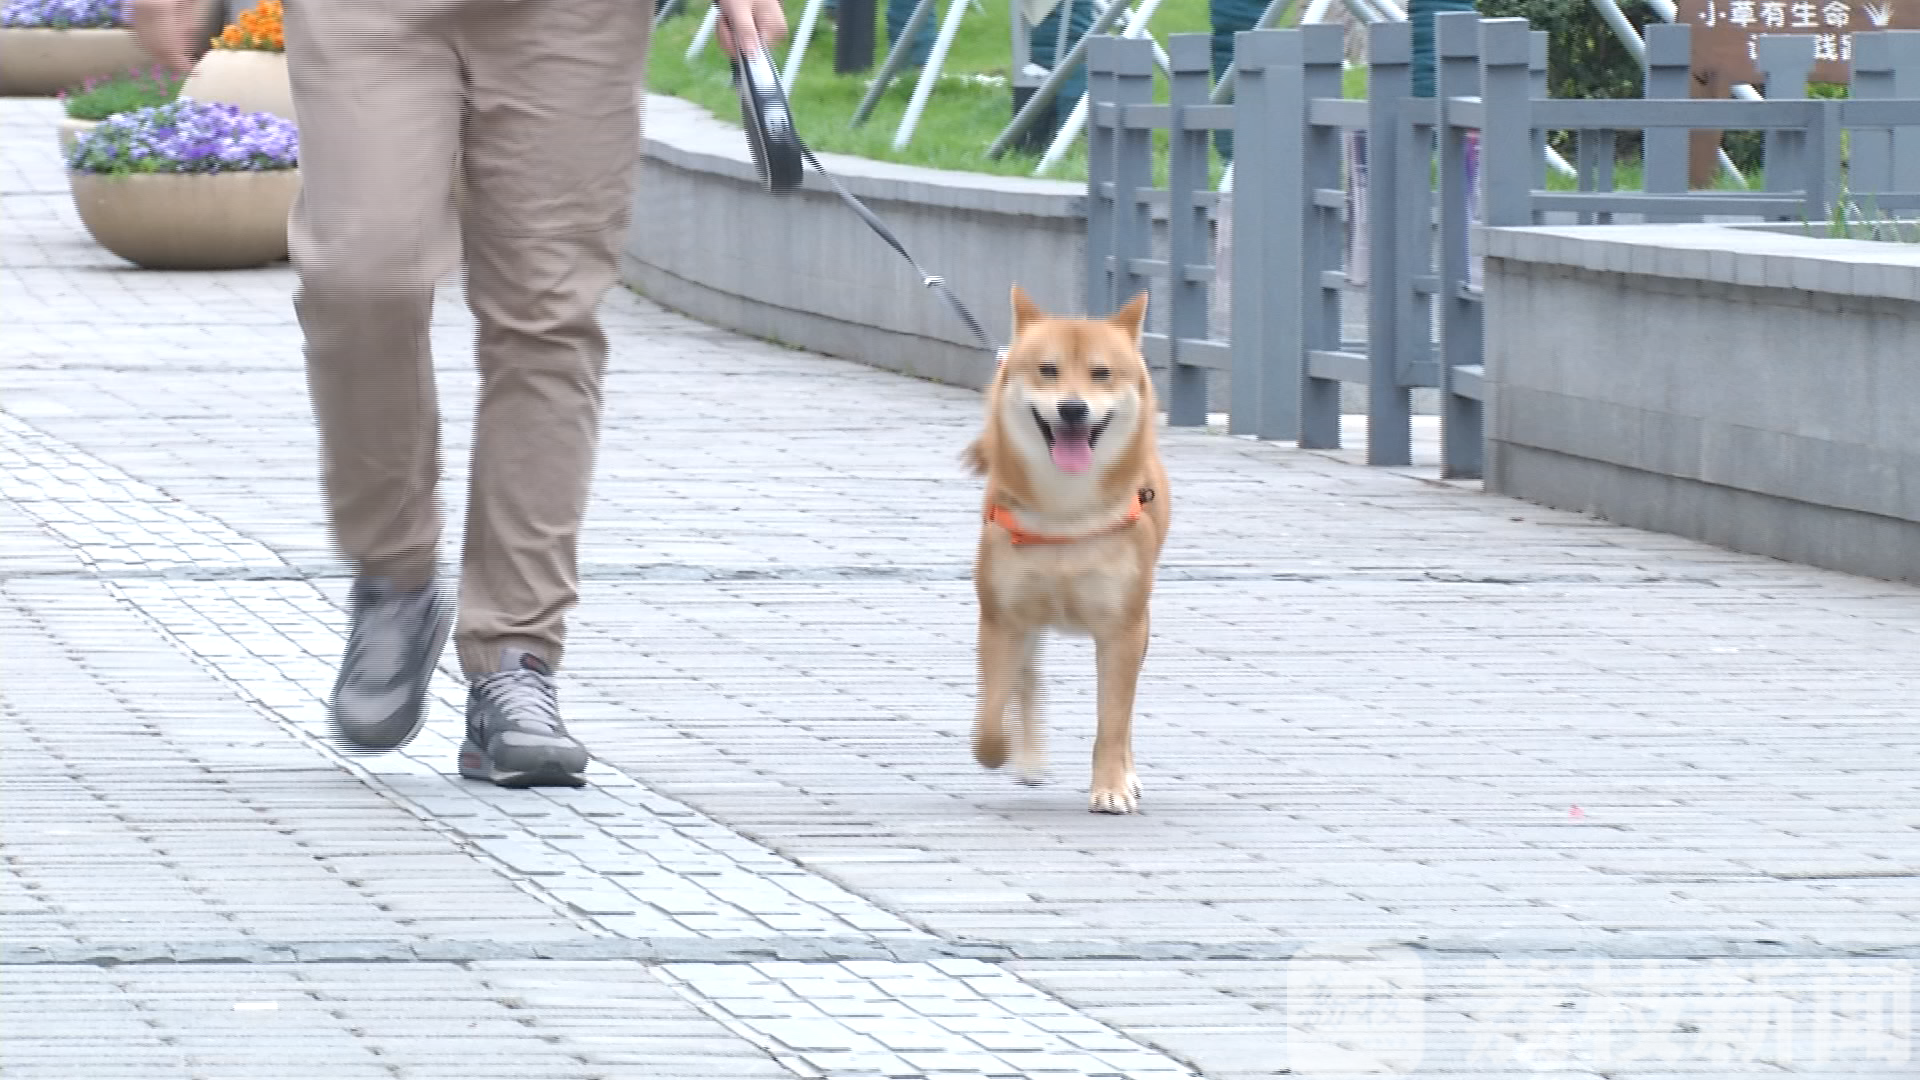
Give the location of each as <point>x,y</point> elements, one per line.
<point>1076,512</point>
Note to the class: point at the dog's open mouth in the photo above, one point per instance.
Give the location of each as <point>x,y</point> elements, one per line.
<point>1071,444</point>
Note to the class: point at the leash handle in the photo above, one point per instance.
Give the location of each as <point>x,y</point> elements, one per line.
<point>771,140</point>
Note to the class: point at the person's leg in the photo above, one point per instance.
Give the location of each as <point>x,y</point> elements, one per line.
<point>918,50</point>
<point>552,141</point>
<point>1229,17</point>
<point>377,96</point>
<point>1041,44</point>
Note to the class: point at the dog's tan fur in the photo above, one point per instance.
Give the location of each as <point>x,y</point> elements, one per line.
<point>1100,583</point>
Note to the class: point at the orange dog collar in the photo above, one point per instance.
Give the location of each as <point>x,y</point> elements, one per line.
<point>1003,517</point>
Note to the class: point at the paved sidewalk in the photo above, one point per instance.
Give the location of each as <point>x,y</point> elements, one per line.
<point>1437,784</point>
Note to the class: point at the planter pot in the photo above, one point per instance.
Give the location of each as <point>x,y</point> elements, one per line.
<point>71,129</point>
<point>253,80</point>
<point>36,62</point>
<point>188,221</point>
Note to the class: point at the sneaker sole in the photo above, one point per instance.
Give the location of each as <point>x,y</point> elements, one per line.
<point>475,766</point>
<point>442,630</point>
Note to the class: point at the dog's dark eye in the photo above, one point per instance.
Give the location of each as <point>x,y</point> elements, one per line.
<point>1049,371</point>
<point>1102,374</point>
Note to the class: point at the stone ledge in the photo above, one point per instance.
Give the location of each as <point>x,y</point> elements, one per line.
<point>1740,384</point>
<point>803,270</point>
<point>1730,254</point>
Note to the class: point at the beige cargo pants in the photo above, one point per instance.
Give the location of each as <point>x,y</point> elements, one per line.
<point>533,105</point>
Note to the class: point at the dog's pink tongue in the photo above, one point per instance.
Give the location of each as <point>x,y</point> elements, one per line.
<point>1072,454</point>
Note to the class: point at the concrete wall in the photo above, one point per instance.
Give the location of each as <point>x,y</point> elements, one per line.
<point>1754,390</point>
<point>709,241</point>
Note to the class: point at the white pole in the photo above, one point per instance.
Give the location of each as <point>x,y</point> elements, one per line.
<point>704,34</point>
<point>797,51</point>
<point>949,27</point>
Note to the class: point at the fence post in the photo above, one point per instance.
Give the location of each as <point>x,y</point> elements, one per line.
<point>1886,64</point>
<point>1132,168</point>
<point>1456,37</point>
<point>1324,241</point>
<point>1507,158</point>
<point>1593,159</point>
<point>1785,60</point>
<point>1389,85</point>
<point>1825,189</point>
<point>1538,45</point>
<point>1265,131</point>
<point>1188,251</point>
<point>1101,193</point>
<point>1669,60</point>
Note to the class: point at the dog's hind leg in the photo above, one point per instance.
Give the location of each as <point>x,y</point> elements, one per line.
<point>1118,656</point>
<point>1030,748</point>
<point>999,670</point>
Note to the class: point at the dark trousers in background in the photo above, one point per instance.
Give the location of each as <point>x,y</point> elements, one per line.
<point>1041,44</point>
<point>1229,17</point>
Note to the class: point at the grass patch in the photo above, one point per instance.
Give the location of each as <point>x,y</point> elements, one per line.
<point>969,106</point>
<point>1629,174</point>
<point>99,98</point>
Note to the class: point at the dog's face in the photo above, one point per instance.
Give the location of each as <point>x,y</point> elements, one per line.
<point>1074,394</point>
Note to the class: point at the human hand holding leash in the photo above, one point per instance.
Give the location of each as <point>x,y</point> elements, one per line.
<point>167,29</point>
<point>778,154</point>
<point>755,24</point>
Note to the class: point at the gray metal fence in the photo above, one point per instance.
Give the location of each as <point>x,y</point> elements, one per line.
<point>1122,202</point>
<point>1336,197</point>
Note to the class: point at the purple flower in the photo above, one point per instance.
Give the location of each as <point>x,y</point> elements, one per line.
<point>187,136</point>
<point>64,14</point>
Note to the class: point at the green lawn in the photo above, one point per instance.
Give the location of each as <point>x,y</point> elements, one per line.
<point>1629,175</point>
<point>969,106</point>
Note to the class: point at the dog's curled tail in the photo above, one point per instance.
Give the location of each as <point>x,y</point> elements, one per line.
<point>974,457</point>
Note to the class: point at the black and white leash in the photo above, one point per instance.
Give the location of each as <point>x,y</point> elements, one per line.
<point>777,152</point>
<point>932,281</point>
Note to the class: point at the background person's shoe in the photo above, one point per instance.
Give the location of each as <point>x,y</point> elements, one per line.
<point>515,737</point>
<point>379,699</point>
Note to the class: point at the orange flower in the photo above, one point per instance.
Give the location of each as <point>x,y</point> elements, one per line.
<point>258,27</point>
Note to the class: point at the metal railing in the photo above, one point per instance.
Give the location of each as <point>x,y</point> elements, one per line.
<point>1385,196</point>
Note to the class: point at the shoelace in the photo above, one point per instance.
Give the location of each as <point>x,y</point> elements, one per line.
<point>523,697</point>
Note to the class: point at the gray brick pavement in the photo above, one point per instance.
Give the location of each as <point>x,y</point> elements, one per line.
<point>525,1021</point>
<point>1372,704</point>
<point>159,807</point>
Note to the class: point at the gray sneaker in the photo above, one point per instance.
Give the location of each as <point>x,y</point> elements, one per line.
<point>515,737</point>
<point>379,700</point>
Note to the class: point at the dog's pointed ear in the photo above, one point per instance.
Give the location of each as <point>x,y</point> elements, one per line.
<point>1132,318</point>
<point>1025,311</point>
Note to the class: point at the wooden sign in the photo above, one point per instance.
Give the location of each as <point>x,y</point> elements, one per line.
<point>1723,32</point>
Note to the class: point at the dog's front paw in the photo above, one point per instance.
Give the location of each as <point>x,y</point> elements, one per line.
<point>1121,798</point>
<point>1030,766</point>
<point>990,747</point>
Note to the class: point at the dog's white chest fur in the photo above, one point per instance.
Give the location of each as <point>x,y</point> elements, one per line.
<point>1072,588</point>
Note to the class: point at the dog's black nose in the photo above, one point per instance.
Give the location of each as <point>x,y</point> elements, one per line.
<point>1074,413</point>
